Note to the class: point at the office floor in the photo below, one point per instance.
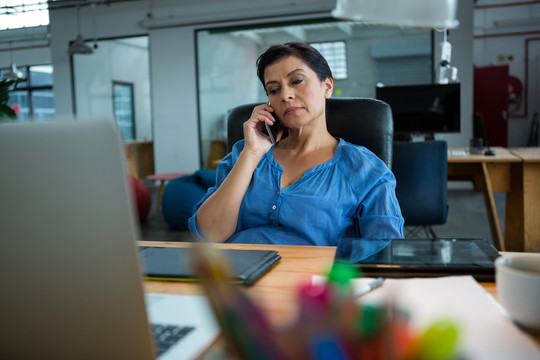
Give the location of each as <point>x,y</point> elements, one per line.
<point>466,217</point>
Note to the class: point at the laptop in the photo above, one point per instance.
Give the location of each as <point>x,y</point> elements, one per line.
<point>401,258</point>
<point>69,271</point>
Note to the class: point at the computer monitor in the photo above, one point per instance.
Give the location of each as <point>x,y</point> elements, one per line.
<point>423,109</point>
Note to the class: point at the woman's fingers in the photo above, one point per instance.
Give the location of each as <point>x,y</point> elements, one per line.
<point>263,113</point>
<point>253,128</point>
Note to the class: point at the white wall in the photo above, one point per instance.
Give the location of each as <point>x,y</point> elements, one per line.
<point>462,54</point>
<point>172,59</point>
<point>176,130</point>
<point>172,74</point>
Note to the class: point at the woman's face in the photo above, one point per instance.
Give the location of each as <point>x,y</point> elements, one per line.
<point>295,92</point>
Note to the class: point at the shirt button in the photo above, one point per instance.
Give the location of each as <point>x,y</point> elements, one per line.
<point>274,207</point>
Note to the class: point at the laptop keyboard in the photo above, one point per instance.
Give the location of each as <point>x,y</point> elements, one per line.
<point>168,335</point>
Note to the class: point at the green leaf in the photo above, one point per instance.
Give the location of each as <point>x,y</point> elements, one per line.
<point>7,113</point>
<point>4,90</point>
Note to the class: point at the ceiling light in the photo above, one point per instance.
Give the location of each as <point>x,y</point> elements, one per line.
<point>78,46</point>
<point>431,14</point>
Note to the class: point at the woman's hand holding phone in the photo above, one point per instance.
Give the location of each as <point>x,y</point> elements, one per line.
<point>255,139</point>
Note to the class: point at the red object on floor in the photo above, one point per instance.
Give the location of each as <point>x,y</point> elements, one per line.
<point>142,197</point>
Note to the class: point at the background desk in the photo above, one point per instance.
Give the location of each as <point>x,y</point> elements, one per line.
<point>506,172</point>
<point>139,158</point>
<point>276,291</point>
<point>527,180</point>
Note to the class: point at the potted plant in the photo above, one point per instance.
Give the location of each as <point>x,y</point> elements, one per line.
<point>7,85</point>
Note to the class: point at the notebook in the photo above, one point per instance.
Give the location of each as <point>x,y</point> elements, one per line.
<point>69,270</point>
<point>175,264</point>
<point>398,258</point>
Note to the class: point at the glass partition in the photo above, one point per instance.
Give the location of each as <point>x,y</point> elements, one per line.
<point>101,79</point>
<point>374,55</point>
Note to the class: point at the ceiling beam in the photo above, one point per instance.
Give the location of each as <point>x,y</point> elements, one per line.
<point>296,32</point>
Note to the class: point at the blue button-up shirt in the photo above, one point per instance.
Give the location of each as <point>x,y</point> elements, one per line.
<point>350,195</point>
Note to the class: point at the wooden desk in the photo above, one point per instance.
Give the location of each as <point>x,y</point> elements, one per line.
<point>527,224</point>
<point>489,174</point>
<point>276,291</point>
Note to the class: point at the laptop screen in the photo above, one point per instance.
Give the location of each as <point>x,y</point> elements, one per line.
<point>69,272</point>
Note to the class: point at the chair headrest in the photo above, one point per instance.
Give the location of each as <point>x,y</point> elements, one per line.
<point>361,121</point>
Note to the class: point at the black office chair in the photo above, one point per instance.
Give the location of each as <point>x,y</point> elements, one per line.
<point>361,121</point>
<point>421,171</point>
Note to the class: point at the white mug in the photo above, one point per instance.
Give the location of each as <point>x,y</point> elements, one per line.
<point>518,287</point>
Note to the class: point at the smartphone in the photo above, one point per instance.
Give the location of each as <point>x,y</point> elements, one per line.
<point>272,131</point>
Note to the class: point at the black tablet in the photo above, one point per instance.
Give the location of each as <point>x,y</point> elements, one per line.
<point>174,264</point>
<point>399,258</point>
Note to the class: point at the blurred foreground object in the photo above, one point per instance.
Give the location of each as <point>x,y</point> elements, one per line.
<point>518,286</point>
<point>331,324</point>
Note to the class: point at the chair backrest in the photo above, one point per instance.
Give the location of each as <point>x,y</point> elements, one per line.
<point>361,121</point>
<point>421,171</point>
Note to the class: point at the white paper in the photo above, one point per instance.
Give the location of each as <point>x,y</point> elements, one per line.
<point>485,331</point>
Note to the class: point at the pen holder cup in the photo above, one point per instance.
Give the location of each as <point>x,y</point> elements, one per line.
<point>476,146</point>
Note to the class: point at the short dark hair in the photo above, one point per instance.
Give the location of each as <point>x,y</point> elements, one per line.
<point>303,51</point>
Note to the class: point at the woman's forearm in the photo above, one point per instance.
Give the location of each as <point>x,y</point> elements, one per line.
<point>218,215</point>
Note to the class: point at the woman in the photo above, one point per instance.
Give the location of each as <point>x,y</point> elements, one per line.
<point>309,188</point>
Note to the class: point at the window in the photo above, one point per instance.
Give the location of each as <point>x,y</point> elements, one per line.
<point>335,53</point>
<point>123,109</point>
<point>33,98</point>
<point>16,14</point>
